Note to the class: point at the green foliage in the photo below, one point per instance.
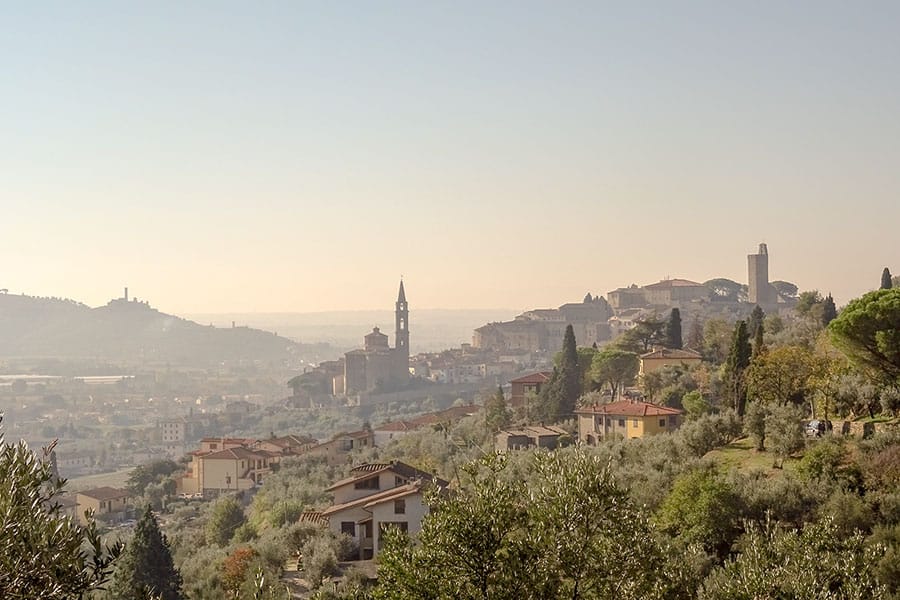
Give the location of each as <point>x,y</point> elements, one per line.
<point>496,413</point>
<point>823,459</point>
<point>226,515</point>
<point>784,431</point>
<point>145,569</point>
<point>780,375</point>
<point>145,475</point>
<point>615,368</point>
<point>815,563</point>
<point>709,432</point>
<point>738,361</point>
<point>808,302</point>
<point>702,509</point>
<point>868,332</point>
<point>673,330</point>
<point>717,334</point>
<point>43,553</point>
<point>829,310</point>
<point>695,404</point>
<point>755,424</point>
<point>643,336</point>
<point>572,533</point>
<point>320,558</point>
<point>886,279</point>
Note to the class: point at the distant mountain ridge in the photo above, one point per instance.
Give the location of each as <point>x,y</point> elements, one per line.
<point>126,330</point>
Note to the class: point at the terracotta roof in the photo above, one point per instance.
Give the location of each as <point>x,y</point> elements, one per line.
<point>670,283</point>
<point>536,430</point>
<point>372,499</point>
<point>396,426</point>
<point>369,470</point>
<point>105,493</point>
<point>539,377</point>
<point>240,441</point>
<point>239,453</point>
<point>685,353</point>
<point>628,408</point>
<point>312,516</point>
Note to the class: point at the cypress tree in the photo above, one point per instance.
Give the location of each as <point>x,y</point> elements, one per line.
<point>496,415</point>
<point>673,330</point>
<point>738,361</point>
<point>756,319</point>
<point>570,375</point>
<point>886,279</point>
<point>145,570</point>
<point>829,310</point>
<point>758,344</point>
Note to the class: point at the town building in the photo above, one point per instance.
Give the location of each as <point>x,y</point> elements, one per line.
<point>377,366</point>
<point>760,290</point>
<point>373,498</point>
<point>625,419</point>
<point>527,385</point>
<point>530,436</point>
<point>668,357</point>
<point>387,432</point>
<point>107,504</point>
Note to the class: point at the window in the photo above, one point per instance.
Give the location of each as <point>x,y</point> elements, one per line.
<point>621,422</point>
<point>213,446</point>
<point>367,484</point>
<point>400,506</point>
<point>228,480</point>
<point>349,528</point>
<point>634,423</point>
<point>662,422</point>
<point>398,481</point>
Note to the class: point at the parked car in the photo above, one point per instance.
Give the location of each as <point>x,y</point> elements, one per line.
<point>818,428</point>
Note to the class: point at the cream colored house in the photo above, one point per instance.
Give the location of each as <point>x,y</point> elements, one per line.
<point>107,503</point>
<point>375,497</point>
<point>666,357</point>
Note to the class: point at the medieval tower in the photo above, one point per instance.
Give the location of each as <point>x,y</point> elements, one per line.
<point>378,367</point>
<point>761,292</point>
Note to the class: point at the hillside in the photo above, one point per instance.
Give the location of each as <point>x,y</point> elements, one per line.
<point>126,331</point>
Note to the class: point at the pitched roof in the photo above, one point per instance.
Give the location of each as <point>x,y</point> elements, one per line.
<point>373,499</point>
<point>628,408</point>
<point>536,430</point>
<point>369,470</point>
<point>685,354</point>
<point>539,377</point>
<point>105,493</point>
<point>312,516</point>
<point>670,283</point>
<point>239,453</point>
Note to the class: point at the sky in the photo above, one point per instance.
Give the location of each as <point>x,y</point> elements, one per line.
<point>297,156</point>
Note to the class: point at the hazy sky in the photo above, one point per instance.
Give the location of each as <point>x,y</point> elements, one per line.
<point>291,156</point>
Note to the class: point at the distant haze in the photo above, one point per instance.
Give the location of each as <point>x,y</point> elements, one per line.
<point>430,330</point>
<point>291,156</point>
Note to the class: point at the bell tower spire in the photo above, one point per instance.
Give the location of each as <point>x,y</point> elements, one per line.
<point>401,314</point>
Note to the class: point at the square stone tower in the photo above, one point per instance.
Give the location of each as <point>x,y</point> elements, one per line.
<point>761,292</point>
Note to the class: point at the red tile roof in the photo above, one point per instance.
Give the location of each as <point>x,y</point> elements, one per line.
<point>628,408</point>
<point>539,377</point>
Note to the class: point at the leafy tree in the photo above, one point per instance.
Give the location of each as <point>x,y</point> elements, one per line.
<point>829,310</point>
<point>695,404</point>
<point>717,334</point>
<point>145,569</point>
<point>726,290</point>
<point>807,302</point>
<point>785,288</point>
<point>784,430</point>
<point>560,395</point>
<point>695,335</point>
<point>755,423</point>
<point>615,368</point>
<point>780,375</point>
<point>868,332</point>
<point>886,279</point>
<point>737,362</point>
<point>236,567</point>
<point>673,330</point>
<point>144,475</point>
<point>496,413</point>
<point>645,333</point>
<point>703,509</point>
<point>43,553</point>
<point>226,515</point>
<point>815,563</point>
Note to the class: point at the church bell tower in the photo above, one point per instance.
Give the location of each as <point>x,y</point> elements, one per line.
<point>401,314</point>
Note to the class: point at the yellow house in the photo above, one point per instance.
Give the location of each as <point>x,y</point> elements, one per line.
<point>667,357</point>
<point>626,419</point>
<point>108,504</point>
